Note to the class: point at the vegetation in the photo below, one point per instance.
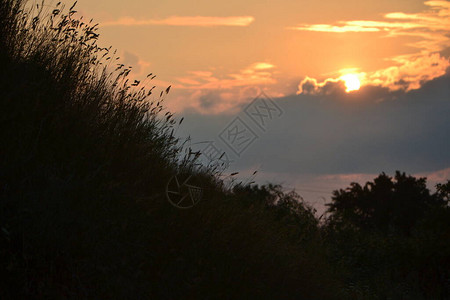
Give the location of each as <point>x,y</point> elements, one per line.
<point>85,155</point>
<point>392,237</point>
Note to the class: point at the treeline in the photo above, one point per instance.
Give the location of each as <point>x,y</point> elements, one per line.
<point>392,238</point>
<point>85,156</point>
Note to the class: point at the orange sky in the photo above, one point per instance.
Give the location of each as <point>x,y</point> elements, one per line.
<point>231,49</point>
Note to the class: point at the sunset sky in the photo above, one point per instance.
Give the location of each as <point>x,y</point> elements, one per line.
<point>307,56</point>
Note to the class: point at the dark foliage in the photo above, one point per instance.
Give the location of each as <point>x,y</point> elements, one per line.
<point>384,205</point>
<point>392,238</point>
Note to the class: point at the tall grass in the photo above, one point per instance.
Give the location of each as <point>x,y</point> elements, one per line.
<point>58,86</point>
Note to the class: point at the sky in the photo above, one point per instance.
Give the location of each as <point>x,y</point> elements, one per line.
<point>310,94</point>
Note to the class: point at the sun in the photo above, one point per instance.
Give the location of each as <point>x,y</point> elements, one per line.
<point>351,81</point>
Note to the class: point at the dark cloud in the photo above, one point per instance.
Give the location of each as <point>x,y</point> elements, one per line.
<point>310,86</point>
<point>446,51</point>
<point>209,101</point>
<point>370,131</point>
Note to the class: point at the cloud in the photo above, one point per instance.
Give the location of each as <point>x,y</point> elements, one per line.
<point>411,73</point>
<point>408,72</point>
<point>224,101</point>
<point>310,86</point>
<point>319,135</point>
<point>203,21</point>
<point>334,28</point>
<point>262,66</point>
<point>256,74</point>
<point>130,59</point>
<point>208,92</point>
<point>397,23</point>
<point>435,177</point>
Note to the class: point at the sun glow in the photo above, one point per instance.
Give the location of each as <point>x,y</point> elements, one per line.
<point>351,81</point>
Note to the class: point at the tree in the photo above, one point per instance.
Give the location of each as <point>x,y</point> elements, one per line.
<point>385,205</point>
<point>443,190</point>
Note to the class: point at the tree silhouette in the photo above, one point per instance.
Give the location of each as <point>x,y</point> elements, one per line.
<point>443,191</point>
<point>386,205</point>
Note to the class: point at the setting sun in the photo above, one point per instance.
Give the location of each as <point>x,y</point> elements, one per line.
<point>351,82</point>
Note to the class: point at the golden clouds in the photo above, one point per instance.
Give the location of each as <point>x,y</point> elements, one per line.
<point>431,30</point>
<point>411,72</point>
<point>212,93</point>
<point>335,28</point>
<point>396,24</point>
<point>259,73</point>
<point>202,21</point>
